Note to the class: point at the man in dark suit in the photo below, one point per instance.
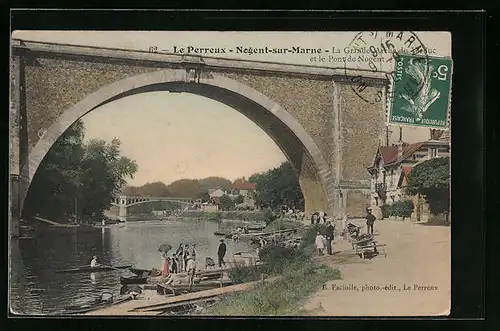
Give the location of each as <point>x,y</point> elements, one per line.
<point>370,220</point>
<point>221,252</point>
<point>329,237</point>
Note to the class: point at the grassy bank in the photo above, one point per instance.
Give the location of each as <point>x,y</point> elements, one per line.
<point>300,277</point>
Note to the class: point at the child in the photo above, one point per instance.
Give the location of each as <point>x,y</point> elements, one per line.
<point>319,243</point>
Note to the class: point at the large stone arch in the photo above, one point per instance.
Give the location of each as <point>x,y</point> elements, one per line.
<point>297,145</point>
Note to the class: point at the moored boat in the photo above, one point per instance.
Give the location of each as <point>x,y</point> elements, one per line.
<point>127,280</point>
<point>99,303</point>
<point>256,226</point>
<point>145,272</point>
<point>92,269</point>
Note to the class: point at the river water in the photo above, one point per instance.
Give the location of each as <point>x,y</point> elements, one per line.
<point>35,288</point>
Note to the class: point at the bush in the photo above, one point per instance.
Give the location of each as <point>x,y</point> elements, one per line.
<point>402,208</point>
<point>386,210</point>
<point>309,236</point>
<point>241,273</point>
<point>276,258</point>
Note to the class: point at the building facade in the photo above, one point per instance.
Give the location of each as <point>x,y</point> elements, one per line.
<point>392,165</point>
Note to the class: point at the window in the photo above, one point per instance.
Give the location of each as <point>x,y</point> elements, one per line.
<point>432,152</point>
<point>414,156</point>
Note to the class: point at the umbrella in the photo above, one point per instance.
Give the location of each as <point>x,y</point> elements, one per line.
<point>164,248</point>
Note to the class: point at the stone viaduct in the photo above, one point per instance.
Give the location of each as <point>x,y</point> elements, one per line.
<point>313,114</point>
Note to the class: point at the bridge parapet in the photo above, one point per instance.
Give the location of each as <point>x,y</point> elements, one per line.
<point>128,200</point>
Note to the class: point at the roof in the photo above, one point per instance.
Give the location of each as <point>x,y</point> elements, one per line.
<point>406,171</point>
<point>217,193</point>
<point>241,184</point>
<point>389,154</point>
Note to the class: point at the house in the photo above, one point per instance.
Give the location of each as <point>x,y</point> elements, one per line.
<point>217,193</point>
<point>392,165</point>
<point>246,189</point>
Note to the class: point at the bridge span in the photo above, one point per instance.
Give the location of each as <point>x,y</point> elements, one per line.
<point>123,202</point>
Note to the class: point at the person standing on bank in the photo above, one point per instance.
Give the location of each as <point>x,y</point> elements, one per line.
<point>221,252</point>
<point>329,237</point>
<point>319,243</point>
<point>370,220</point>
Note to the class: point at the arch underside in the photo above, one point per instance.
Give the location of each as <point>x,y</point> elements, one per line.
<point>313,171</point>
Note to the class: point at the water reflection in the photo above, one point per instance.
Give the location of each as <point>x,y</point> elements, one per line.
<point>36,289</point>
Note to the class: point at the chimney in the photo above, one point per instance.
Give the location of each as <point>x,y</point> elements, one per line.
<point>399,145</point>
<point>400,150</point>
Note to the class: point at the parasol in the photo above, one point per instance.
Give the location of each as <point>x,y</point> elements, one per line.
<point>164,248</point>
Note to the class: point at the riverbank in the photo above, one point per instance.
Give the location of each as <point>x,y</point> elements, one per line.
<point>282,297</point>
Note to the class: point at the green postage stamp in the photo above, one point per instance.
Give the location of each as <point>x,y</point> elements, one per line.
<point>421,92</point>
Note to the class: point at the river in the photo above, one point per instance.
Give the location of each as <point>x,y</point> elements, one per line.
<point>35,289</point>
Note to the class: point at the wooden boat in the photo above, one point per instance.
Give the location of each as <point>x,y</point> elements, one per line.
<point>99,303</point>
<point>181,289</point>
<point>145,272</point>
<point>92,269</point>
<point>256,226</point>
<point>127,280</point>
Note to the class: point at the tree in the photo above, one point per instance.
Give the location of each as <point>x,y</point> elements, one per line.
<point>214,182</point>
<point>432,180</point>
<point>204,196</point>
<point>185,188</point>
<point>226,203</point>
<point>52,191</point>
<point>78,178</point>
<point>155,189</point>
<point>278,186</point>
<point>239,199</point>
<point>104,173</point>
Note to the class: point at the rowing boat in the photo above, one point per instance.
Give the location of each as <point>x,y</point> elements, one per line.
<point>99,303</point>
<point>126,280</point>
<point>145,272</point>
<point>92,269</point>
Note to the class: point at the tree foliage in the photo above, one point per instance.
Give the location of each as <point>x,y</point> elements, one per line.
<point>78,177</point>
<point>213,183</point>
<point>402,208</point>
<point>432,180</point>
<point>226,203</point>
<point>185,188</point>
<point>239,199</point>
<point>278,186</point>
<point>155,189</point>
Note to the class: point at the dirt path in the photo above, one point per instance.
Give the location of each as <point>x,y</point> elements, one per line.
<point>418,258</point>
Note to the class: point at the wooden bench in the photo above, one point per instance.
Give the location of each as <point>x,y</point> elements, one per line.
<point>370,247</point>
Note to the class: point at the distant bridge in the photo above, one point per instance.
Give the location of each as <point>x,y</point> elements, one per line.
<point>124,202</point>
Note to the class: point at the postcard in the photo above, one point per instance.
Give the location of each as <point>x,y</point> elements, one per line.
<point>230,173</point>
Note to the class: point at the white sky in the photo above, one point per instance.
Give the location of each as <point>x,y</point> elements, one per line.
<point>174,136</point>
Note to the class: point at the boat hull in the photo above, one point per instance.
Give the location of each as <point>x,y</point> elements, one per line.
<point>133,280</point>
<point>92,269</point>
